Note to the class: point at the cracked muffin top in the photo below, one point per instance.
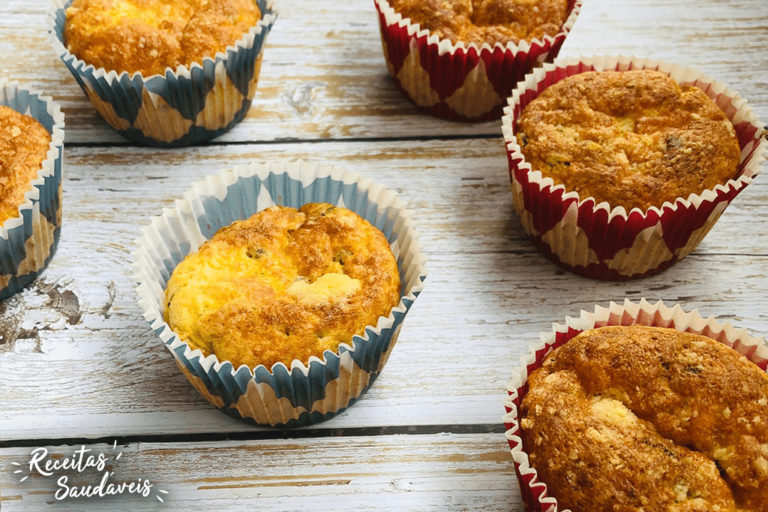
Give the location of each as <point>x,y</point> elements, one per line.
<point>284,284</point>
<point>646,418</point>
<point>630,138</point>
<point>24,145</point>
<point>486,21</point>
<point>149,36</point>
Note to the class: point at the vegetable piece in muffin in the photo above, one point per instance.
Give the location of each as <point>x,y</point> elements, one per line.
<point>629,138</point>
<point>284,284</point>
<point>149,36</point>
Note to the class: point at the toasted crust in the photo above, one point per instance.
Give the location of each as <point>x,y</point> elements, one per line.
<point>634,139</point>
<point>283,285</point>
<point>151,35</point>
<point>631,418</point>
<point>24,144</point>
<point>486,21</point>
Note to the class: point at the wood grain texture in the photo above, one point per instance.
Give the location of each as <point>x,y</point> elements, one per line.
<point>95,367</point>
<point>324,75</point>
<point>415,472</point>
<point>77,359</point>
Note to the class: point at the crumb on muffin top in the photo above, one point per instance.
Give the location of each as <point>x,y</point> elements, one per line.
<point>284,284</point>
<point>652,418</point>
<point>24,144</point>
<point>486,21</point>
<point>149,36</point>
<point>631,138</point>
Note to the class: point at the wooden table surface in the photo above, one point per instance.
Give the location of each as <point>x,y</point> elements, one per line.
<point>79,365</point>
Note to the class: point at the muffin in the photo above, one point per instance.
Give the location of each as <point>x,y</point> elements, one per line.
<point>620,167</point>
<point>283,284</point>
<point>486,21</point>
<point>31,145</point>
<point>634,139</point>
<point>460,59</point>
<point>617,398</point>
<point>149,36</point>
<point>641,406</point>
<point>290,308</point>
<point>168,73</point>
<point>23,147</point>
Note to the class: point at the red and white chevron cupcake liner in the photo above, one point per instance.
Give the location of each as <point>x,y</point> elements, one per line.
<point>596,240</point>
<point>458,81</point>
<point>534,492</point>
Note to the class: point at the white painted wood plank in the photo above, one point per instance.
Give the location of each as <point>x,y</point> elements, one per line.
<point>324,74</point>
<point>77,360</point>
<point>435,472</point>
<point>93,368</point>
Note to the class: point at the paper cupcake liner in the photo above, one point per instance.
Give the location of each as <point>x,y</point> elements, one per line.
<point>534,491</point>
<point>458,81</point>
<point>28,241</point>
<point>181,107</point>
<point>280,396</point>
<point>595,241</point>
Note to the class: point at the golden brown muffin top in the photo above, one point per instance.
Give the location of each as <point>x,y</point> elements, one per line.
<point>634,138</point>
<point>645,418</point>
<point>486,21</point>
<point>149,36</point>
<point>24,144</point>
<point>284,284</point>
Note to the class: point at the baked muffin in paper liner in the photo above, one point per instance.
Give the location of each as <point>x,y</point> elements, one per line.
<point>182,107</point>
<point>460,81</point>
<point>533,491</point>
<point>599,241</point>
<point>28,241</point>
<point>307,392</point>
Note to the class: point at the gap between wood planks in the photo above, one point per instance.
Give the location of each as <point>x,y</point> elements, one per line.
<point>296,140</point>
<point>261,435</point>
<point>292,140</point>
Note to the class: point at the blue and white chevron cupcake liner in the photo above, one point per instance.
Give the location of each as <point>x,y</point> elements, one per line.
<point>307,392</point>
<point>182,107</point>
<point>28,241</point>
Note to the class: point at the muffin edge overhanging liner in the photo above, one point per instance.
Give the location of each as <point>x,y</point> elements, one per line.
<point>28,241</point>
<point>282,396</point>
<point>460,81</point>
<point>184,106</point>
<point>658,314</point>
<point>593,240</point>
